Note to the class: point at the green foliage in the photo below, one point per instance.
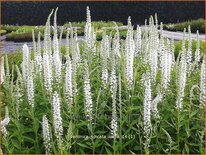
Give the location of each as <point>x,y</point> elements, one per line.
<point>122,34</point>
<point>96,24</point>
<point>178,46</point>
<point>173,132</point>
<point>10,28</point>
<point>195,25</point>
<point>2,32</point>
<point>24,33</point>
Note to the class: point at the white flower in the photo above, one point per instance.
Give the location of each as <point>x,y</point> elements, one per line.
<point>46,134</point>
<point>197,51</point>
<point>87,94</point>
<point>166,66</point>
<point>104,52</point>
<point>56,56</point>
<point>104,76</point>
<point>138,43</point>
<point>113,88</point>
<point>130,49</point>
<point>5,122</point>
<point>38,57</point>
<point>189,51</point>
<point>147,109</point>
<point>47,73</point>
<point>181,79</point>
<point>47,57</point>
<point>57,119</point>
<point>90,36</point>
<point>2,70</point>
<point>202,83</point>
<point>25,62</point>
<point>68,80</point>
<point>30,90</point>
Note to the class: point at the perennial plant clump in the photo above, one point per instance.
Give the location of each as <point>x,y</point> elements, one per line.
<point>109,96</point>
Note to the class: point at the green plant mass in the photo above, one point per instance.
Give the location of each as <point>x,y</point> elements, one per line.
<point>143,94</point>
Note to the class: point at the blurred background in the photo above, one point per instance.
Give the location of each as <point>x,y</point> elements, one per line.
<point>35,13</point>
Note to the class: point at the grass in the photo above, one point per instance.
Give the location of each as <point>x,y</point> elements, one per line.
<point>195,25</point>
<point>178,46</point>
<point>2,32</point>
<point>24,33</point>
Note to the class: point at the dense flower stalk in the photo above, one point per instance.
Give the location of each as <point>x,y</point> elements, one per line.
<point>46,134</point>
<point>147,109</point>
<point>181,79</point>
<point>104,52</point>
<point>166,66</point>
<point>68,80</point>
<point>90,36</point>
<point>30,90</point>
<point>202,83</point>
<point>189,50</point>
<point>57,119</point>
<point>2,70</point>
<point>197,51</point>
<point>5,122</point>
<point>138,43</point>
<point>113,83</point>
<point>153,48</point>
<point>38,57</point>
<point>47,73</point>
<point>87,94</point>
<point>56,55</point>
<point>25,62</point>
<point>47,57</point>
<point>130,49</point>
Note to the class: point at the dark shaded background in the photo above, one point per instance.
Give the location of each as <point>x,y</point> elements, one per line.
<point>35,13</point>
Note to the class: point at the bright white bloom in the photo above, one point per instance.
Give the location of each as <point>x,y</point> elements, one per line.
<point>87,94</point>
<point>30,90</point>
<point>138,42</point>
<point>46,134</point>
<point>2,70</point>
<point>104,54</point>
<point>116,42</point>
<point>25,62</point>
<point>189,51</point>
<point>130,49</point>
<point>147,109</point>
<point>47,57</point>
<point>181,79</point>
<point>47,73</point>
<point>57,119</point>
<point>68,80</point>
<point>113,87</point>
<point>166,66</point>
<point>5,122</point>
<point>90,36</point>
<point>153,43</point>
<point>172,49</point>
<point>56,56</point>
<point>197,51</point>
<point>202,83</point>
<point>38,57</point>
